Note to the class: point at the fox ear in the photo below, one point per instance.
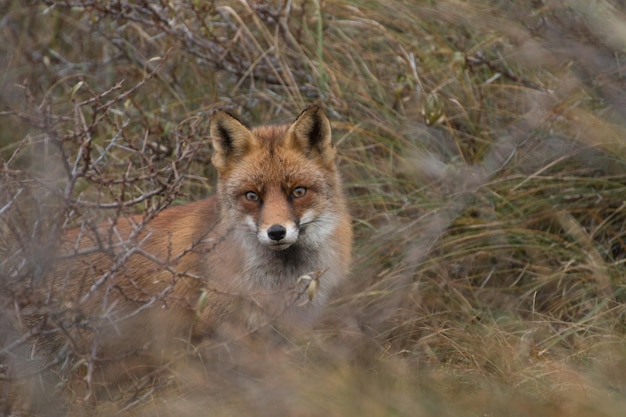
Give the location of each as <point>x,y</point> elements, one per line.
<point>310,133</point>
<point>231,139</point>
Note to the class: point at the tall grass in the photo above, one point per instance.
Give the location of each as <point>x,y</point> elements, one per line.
<point>483,149</point>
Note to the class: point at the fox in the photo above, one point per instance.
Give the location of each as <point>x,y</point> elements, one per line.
<point>269,247</point>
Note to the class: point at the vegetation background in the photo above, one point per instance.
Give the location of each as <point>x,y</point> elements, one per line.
<point>483,147</point>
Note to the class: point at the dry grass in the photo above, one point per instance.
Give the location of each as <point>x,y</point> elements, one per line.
<point>484,153</point>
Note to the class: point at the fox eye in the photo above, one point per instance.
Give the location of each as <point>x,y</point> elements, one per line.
<point>251,196</point>
<point>298,192</point>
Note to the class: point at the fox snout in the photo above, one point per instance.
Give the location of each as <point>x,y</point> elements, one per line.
<point>278,236</point>
<point>277,232</point>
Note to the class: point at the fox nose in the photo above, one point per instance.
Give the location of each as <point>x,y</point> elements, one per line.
<point>276,232</point>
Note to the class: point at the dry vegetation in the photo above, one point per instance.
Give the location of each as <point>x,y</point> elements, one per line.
<point>483,150</point>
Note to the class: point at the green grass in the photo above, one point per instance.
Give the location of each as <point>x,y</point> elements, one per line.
<point>483,151</point>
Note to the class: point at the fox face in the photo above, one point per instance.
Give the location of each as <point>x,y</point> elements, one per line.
<point>277,183</point>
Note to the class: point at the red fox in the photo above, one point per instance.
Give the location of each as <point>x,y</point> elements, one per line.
<point>241,258</point>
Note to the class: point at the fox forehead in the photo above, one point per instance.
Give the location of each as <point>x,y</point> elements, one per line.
<point>273,163</point>
<point>271,136</point>
<point>273,143</point>
<point>269,168</point>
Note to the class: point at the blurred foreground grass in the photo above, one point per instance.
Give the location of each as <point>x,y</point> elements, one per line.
<point>483,148</point>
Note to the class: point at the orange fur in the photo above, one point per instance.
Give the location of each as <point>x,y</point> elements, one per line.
<point>232,261</point>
